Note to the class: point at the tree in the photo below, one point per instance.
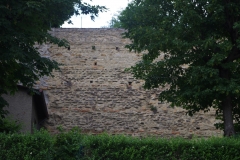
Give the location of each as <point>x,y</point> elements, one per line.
<point>114,22</point>
<point>202,35</point>
<point>24,23</point>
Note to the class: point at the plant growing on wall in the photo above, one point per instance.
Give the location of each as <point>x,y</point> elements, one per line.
<point>24,23</point>
<point>153,108</point>
<point>201,42</point>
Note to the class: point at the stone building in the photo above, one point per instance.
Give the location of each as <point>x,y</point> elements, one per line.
<point>93,91</point>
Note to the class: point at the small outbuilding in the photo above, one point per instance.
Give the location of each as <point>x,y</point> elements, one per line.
<point>27,109</point>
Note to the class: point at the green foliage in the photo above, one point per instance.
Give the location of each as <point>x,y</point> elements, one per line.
<point>23,24</point>
<point>8,125</point>
<point>115,23</point>
<point>3,111</point>
<point>128,148</point>
<point>153,108</point>
<point>38,146</point>
<point>201,43</point>
<point>74,145</point>
<point>68,145</point>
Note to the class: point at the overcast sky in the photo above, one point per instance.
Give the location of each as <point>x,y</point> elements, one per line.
<point>103,19</point>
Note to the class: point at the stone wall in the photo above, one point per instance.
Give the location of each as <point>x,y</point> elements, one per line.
<point>92,90</point>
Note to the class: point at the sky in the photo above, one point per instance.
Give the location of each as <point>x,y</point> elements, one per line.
<point>103,19</point>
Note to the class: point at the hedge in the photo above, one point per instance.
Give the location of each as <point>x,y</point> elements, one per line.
<point>74,145</point>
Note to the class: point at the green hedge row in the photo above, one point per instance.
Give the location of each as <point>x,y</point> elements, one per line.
<point>74,145</point>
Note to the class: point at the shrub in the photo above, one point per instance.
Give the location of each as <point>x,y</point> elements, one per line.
<point>105,147</point>
<point>73,145</point>
<point>8,125</point>
<point>37,146</point>
<point>68,145</point>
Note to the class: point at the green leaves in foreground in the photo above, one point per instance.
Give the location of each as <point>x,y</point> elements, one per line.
<point>74,145</point>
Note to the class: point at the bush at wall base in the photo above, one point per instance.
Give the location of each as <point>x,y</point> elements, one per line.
<point>8,125</point>
<point>74,145</point>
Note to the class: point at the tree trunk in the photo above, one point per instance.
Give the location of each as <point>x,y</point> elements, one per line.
<point>228,117</point>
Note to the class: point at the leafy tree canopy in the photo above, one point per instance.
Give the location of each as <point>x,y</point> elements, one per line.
<point>114,23</point>
<point>201,46</point>
<point>24,23</point>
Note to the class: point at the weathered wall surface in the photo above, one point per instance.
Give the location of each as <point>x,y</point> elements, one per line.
<point>92,90</point>
<point>20,108</point>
